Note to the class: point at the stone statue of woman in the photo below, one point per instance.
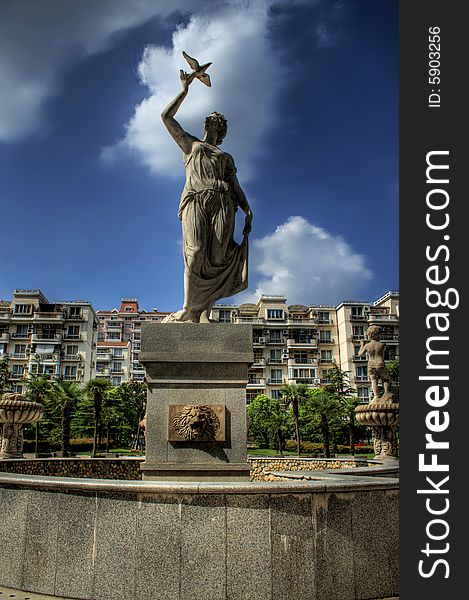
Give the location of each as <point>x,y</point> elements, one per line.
<point>215,266</point>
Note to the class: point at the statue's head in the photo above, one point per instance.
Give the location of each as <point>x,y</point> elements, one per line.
<point>373,332</point>
<point>218,122</point>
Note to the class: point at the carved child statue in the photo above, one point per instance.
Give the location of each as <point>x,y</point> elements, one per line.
<point>377,369</point>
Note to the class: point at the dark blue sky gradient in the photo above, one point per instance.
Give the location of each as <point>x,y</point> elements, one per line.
<point>80,229</point>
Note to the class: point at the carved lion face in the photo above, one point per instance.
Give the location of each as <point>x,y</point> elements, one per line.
<point>196,422</point>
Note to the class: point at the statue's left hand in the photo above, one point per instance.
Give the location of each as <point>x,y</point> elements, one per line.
<point>186,79</point>
<point>247,224</point>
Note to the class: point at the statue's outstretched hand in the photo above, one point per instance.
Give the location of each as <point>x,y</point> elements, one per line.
<point>186,79</point>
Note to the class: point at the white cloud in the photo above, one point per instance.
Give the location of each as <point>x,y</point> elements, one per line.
<point>39,39</point>
<point>307,264</point>
<point>245,81</point>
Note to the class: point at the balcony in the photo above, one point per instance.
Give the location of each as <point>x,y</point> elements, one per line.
<point>302,343</point>
<point>258,342</point>
<point>256,383</point>
<point>21,336</point>
<point>302,321</point>
<point>75,317</point>
<point>326,361</point>
<point>21,355</point>
<point>359,358</point>
<point>255,320</point>
<point>302,361</point>
<point>4,316</point>
<point>71,377</point>
<point>357,337</point>
<point>17,376</point>
<point>46,316</point>
<point>363,317</point>
<point>275,341</point>
<point>4,337</point>
<point>325,322</point>
<point>49,356</point>
<point>49,338</point>
<point>258,362</point>
<point>389,337</point>
<point>361,379</point>
<point>73,357</point>
<point>276,381</point>
<point>114,326</point>
<point>326,341</point>
<point>103,356</point>
<point>276,361</point>
<point>103,373</point>
<point>385,318</point>
<point>72,337</point>
<point>117,371</point>
<point>304,380</point>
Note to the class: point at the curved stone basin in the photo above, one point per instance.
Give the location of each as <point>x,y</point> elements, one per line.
<point>15,412</point>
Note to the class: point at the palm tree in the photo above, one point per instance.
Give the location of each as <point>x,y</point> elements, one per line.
<point>349,406</point>
<point>64,396</point>
<point>96,390</point>
<point>294,395</point>
<point>324,407</point>
<point>37,390</point>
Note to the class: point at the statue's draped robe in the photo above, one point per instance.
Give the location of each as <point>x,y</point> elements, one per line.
<point>215,266</point>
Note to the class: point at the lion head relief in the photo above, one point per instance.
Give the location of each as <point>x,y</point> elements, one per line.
<point>197,423</point>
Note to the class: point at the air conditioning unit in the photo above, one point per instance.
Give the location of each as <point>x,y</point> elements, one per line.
<point>316,381</point>
<point>367,309</point>
<point>285,332</point>
<point>262,340</point>
<point>267,331</point>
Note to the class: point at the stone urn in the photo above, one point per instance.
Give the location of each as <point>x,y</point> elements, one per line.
<point>383,417</point>
<point>15,412</point>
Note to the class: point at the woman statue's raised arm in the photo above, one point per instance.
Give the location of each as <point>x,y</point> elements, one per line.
<point>183,139</point>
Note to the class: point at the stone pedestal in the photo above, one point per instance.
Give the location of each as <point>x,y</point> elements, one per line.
<point>196,405</point>
<point>15,412</point>
<point>383,417</point>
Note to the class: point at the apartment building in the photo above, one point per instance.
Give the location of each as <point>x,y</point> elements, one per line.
<point>123,326</point>
<point>292,344</point>
<point>300,344</point>
<point>113,361</point>
<point>55,339</point>
<point>353,320</point>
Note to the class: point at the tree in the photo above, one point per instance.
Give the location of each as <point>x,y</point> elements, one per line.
<point>270,421</point>
<point>393,368</point>
<point>96,390</point>
<point>324,409</point>
<point>339,384</point>
<point>64,396</point>
<point>37,390</point>
<point>348,406</point>
<point>295,395</point>
<point>5,374</point>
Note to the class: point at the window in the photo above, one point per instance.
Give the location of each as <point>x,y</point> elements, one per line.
<point>275,394</point>
<point>276,376</point>
<point>274,313</point>
<point>357,311</point>
<point>323,317</point>
<point>19,350</point>
<point>275,337</point>
<point>116,367</point>
<point>70,372</point>
<point>21,331</point>
<point>309,374</point>
<point>17,370</point>
<point>358,330</point>
<point>23,309</point>
<point>325,336</point>
<point>116,381</point>
<point>326,356</point>
<point>71,350</point>
<point>224,316</point>
<point>364,394</point>
<point>74,311</point>
<point>356,350</point>
<point>73,331</point>
<point>361,373</point>
<point>114,336</point>
<point>117,352</point>
<point>251,394</point>
<point>276,356</point>
<point>301,357</point>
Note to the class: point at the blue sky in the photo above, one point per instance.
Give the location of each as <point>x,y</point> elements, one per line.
<point>90,180</point>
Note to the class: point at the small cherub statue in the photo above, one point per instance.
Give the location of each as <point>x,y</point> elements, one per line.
<point>376,366</point>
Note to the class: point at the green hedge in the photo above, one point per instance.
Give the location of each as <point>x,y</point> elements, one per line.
<point>76,445</point>
<point>317,448</point>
